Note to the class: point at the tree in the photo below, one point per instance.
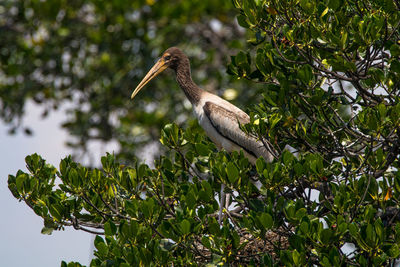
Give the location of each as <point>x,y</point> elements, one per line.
<point>329,72</point>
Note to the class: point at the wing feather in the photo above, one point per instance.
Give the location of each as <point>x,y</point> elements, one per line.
<point>227,122</point>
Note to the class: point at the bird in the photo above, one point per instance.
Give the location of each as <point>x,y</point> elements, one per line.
<point>219,118</point>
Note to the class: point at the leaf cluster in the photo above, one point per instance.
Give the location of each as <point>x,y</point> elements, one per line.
<point>329,75</point>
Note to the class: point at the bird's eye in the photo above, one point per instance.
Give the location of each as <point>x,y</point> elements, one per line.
<point>167,57</point>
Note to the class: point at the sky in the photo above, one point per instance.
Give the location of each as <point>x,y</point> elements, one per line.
<point>21,243</point>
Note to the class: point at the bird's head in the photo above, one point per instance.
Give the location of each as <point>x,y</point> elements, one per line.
<point>171,58</point>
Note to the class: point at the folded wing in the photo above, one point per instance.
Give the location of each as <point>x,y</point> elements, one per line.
<point>226,122</point>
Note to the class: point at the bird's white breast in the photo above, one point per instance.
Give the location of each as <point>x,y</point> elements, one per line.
<point>205,123</point>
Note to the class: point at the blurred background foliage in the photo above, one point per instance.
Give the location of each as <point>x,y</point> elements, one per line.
<point>330,77</point>
<point>91,54</point>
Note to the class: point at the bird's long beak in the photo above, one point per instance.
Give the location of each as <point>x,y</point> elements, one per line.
<point>159,67</point>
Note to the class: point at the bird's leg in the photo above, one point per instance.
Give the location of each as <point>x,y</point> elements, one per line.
<point>221,203</point>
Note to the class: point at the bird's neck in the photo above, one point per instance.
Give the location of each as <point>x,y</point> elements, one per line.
<point>184,79</point>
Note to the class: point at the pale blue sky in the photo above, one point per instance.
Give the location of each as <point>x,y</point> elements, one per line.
<point>21,243</point>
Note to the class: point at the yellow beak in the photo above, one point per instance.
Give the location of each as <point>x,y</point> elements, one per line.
<point>159,67</point>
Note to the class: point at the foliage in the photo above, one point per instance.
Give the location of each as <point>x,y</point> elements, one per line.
<point>87,56</point>
<point>330,77</point>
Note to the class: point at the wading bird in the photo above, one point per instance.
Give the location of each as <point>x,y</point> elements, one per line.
<point>219,118</point>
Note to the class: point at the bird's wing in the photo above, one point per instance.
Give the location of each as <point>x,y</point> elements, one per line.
<point>227,122</point>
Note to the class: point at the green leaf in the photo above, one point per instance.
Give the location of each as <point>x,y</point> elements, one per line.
<point>74,177</point>
<point>379,228</point>
<point>190,200</point>
<point>304,227</point>
<point>370,233</point>
<point>260,165</point>
<point>325,236</point>
<point>185,227</point>
<point>297,242</point>
<point>232,172</point>
<point>241,58</point>
<point>264,62</point>
<point>213,226</point>
<point>305,74</point>
<point>266,220</point>
<point>342,227</point>
<point>202,150</point>
<point>56,211</point>
<point>269,100</point>
<point>110,228</point>
<point>102,249</point>
<point>334,4</point>
<point>47,231</point>
<point>141,171</point>
<point>300,213</point>
<point>298,168</point>
<point>324,12</point>
<point>395,66</point>
<point>171,134</point>
<point>249,9</point>
<point>308,6</point>
<point>389,6</point>
<point>205,240</point>
<point>343,40</point>
<point>100,246</point>
<point>395,50</point>
<point>382,110</point>
<point>13,187</point>
<point>242,21</point>
<point>296,257</point>
<point>207,188</point>
<point>287,157</point>
<point>20,182</point>
<point>394,251</point>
